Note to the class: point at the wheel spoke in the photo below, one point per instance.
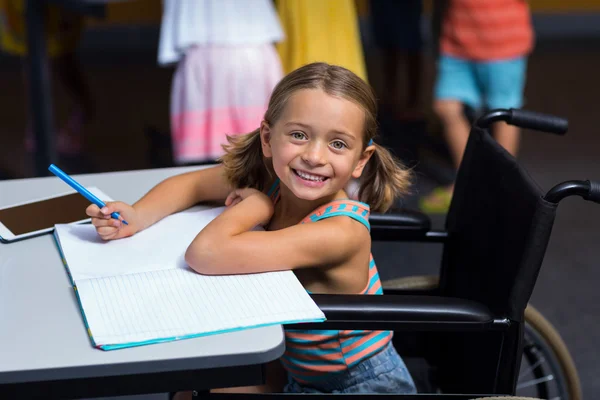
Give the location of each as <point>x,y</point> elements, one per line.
<point>547,378</point>
<point>540,360</point>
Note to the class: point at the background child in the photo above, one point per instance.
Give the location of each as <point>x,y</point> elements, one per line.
<point>289,177</point>
<point>220,46</point>
<point>483,63</point>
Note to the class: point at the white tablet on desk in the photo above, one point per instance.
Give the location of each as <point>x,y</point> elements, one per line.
<point>38,216</point>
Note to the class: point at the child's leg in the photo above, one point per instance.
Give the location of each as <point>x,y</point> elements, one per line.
<point>455,85</point>
<point>455,126</point>
<point>276,380</point>
<point>508,136</point>
<point>504,83</point>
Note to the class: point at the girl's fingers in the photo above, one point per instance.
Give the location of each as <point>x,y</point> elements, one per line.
<point>98,222</point>
<point>106,231</point>
<point>93,211</point>
<point>230,197</point>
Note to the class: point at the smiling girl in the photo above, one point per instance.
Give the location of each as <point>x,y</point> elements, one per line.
<point>289,176</point>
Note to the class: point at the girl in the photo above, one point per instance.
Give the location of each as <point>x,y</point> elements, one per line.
<point>289,176</point>
<point>219,46</point>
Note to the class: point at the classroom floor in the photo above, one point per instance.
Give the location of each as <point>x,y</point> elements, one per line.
<point>132,98</point>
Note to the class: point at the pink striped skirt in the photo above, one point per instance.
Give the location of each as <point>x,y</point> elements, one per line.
<point>219,91</point>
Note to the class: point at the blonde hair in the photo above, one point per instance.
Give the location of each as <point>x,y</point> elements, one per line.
<point>383,180</point>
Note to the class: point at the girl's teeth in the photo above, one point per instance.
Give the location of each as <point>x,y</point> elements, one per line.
<point>310,177</point>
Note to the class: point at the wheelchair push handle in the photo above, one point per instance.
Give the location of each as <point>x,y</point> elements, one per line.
<point>526,119</point>
<point>538,121</point>
<point>594,194</point>
<point>589,190</point>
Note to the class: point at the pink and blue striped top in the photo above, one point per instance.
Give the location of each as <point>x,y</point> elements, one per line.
<point>311,355</point>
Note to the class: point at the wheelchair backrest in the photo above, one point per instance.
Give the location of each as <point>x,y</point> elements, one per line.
<point>498,228</point>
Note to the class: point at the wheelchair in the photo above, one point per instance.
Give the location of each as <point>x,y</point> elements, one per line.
<point>469,332</point>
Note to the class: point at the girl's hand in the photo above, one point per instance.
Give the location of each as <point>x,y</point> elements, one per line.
<point>262,205</point>
<point>109,228</point>
<point>241,194</point>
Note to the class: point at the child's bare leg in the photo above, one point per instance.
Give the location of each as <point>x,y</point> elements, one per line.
<point>508,136</point>
<point>276,379</point>
<point>456,127</point>
<point>456,131</point>
<point>183,396</point>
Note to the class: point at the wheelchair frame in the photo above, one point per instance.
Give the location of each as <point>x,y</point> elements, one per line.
<point>433,311</point>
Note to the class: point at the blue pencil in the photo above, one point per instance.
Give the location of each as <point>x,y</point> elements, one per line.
<point>83,191</point>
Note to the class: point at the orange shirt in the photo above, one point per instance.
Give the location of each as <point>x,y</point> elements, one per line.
<point>486,30</point>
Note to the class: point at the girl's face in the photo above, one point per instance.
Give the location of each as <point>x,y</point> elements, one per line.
<point>317,144</point>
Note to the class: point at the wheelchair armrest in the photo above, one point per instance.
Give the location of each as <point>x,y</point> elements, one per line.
<point>399,312</point>
<point>399,224</point>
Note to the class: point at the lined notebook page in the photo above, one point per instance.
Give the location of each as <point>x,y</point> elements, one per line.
<point>177,303</point>
<point>161,246</point>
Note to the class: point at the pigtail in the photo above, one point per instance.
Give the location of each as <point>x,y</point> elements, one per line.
<point>384,180</point>
<point>243,161</point>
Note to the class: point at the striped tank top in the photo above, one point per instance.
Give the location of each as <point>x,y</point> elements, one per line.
<point>310,355</point>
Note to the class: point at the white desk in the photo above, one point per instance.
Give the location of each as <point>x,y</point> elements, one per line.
<point>44,347</point>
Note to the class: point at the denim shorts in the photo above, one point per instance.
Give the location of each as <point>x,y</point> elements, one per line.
<point>491,84</point>
<point>384,372</point>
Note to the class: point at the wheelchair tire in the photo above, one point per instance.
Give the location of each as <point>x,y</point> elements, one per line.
<point>549,342</point>
<point>537,330</point>
<point>507,398</point>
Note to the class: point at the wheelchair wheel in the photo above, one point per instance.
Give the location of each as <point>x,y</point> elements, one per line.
<point>547,368</point>
<point>507,398</point>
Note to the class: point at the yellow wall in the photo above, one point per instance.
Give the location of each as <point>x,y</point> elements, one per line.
<point>149,11</point>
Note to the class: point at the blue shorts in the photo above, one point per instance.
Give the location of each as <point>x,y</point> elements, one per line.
<point>384,372</point>
<point>493,84</point>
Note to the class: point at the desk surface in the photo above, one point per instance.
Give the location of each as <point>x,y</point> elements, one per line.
<point>42,334</point>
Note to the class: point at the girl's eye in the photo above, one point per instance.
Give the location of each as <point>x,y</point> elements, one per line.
<point>338,145</point>
<point>298,135</point>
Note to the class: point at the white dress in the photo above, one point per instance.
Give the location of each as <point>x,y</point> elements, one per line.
<point>227,67</point>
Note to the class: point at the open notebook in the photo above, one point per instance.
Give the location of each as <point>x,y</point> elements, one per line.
<point>139,290</point>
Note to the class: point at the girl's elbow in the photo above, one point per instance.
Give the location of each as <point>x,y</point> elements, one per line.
<point>199,258</point>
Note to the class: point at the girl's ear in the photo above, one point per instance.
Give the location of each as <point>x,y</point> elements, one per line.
<point>364,159</point>
<point>265,139</point>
